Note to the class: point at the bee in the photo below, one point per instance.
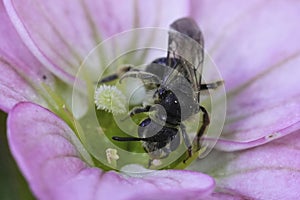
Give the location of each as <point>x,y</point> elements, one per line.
<point>176,84</point>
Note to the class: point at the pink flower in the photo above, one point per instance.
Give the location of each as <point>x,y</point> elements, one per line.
<point>255,46</point>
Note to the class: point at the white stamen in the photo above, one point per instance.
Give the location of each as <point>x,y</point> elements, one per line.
<point>111,155</point>
<point>110,99</point>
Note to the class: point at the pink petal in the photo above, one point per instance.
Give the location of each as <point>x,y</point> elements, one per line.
<point>13,88</point>
<point>266,172</point>
<point>61,33</point>
<point>43,146</point>
<point>267,105</point>
<point>16,63</point>
<point>255,46</point>
<point>215,17</point>
<point>232,145</point>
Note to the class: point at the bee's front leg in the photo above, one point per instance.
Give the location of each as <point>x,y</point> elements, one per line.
<point>138,110</point>
<point>151,81</point>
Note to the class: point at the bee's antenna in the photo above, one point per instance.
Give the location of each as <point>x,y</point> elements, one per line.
<point>126,139</point>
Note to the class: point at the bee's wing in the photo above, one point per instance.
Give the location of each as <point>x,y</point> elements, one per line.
<point>186,43</point>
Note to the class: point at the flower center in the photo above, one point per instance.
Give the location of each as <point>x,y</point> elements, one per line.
<point>155,131</point>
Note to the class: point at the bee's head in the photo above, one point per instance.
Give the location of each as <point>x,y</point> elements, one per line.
<point>160,94</point>
<point>165,96</point>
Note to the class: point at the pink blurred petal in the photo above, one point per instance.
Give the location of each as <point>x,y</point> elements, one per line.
<point>255,46</point>
<point>216,18</point>
<point>61,33</point>
<point>13,88</point>
<point>42,145</point>
<point>19,68</point>
<point>270,171</point>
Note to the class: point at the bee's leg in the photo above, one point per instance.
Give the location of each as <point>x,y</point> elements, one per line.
<point>175,142</point>
<point>150,163</point>
<point>118,74</point>
<point>151,81</point>
<point>138,110</point>
<point>208,86</point>
<point>187,141</point>
<point>205,123</point>
<point>109,78</point>
<point>164,150</point>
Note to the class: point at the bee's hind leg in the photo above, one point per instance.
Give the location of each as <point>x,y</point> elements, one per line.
<point>196,142</point>
<point>213,85</point>
<point>187,142</point>
<point>205,123</point>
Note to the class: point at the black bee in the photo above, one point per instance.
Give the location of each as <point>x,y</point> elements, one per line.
<point>176,82</point>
